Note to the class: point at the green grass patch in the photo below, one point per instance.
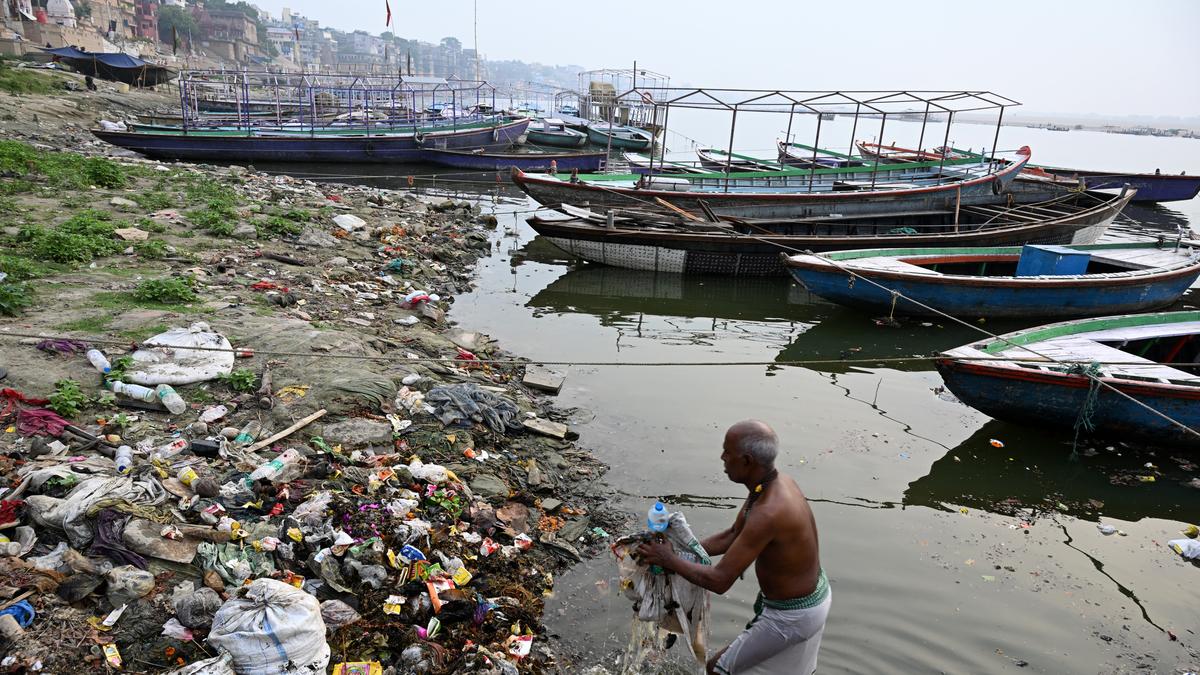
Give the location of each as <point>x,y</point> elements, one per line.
<point>273,227</point>
<point>154,201</point>
<point>20,269</point>
<point>168,291</point>
<point>151,225</point>
<point>90,324</point>
<point>151,249</point>
<point>123,300</point>
<point>80,239</point>
<point>14,298</point>
<point>143,333</point>
<point>65,170</point>
<point>28,80</point>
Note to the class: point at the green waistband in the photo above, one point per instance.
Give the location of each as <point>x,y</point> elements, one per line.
<point>811,600</point>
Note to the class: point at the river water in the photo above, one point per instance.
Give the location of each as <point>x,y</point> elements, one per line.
<point>946,553</point>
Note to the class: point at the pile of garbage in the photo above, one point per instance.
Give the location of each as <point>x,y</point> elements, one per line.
<point>418,532</point>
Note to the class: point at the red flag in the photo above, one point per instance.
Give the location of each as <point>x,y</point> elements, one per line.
<point>388,5</point>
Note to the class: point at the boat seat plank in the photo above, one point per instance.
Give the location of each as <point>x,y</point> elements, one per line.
<point>1081,349</point>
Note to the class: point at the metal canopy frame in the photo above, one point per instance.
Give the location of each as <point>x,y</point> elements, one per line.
<point>817,102</point>
<point>904,104</point>
<point>300,94</point>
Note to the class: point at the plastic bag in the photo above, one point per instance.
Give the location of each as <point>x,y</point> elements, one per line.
<point>669,600</point>
<point>275,628</point>
<point>218,665</point>
<point>166,360</point>
<point>196,609</point>
<point>127,583</point>
<point>337,614</point>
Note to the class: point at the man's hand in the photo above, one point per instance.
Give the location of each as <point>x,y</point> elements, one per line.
<point>657,552</point>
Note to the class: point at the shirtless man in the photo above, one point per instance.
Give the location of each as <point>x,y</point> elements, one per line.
<point>775,530</point>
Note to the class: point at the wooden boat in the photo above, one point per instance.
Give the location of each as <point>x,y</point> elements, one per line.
<point>297,146</point>
<point>525,160</point>
<point>791,193</point>
<point>554,132</point>
<point>639,239</point>
<point>980,282</point>
<point>807,156</point>
<point>1041,376</point>
<point>892,153</point>
<point>644,164</point>
<point>1151,187</point>
<point>622,137</point>
<point>723,161</point>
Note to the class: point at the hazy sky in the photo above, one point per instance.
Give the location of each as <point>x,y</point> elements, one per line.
<point>1114,57</point>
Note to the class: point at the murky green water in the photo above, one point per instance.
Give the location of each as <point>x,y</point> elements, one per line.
<point>946,554</point>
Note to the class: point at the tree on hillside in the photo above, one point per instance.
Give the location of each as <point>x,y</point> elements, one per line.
<point>177,17</point>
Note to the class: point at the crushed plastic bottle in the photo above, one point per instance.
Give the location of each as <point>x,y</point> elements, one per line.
<point>249,433</point>
<point>281,469</point>
<point>172,400</point>
<point>99,361</point>
<point>169,450</point>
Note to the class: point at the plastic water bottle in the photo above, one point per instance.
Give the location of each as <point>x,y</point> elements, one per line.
<point>124,459</point>
<point>658,518</point>
<point>134,391</point>
<point>249,433</point>
<point>99,361</point>
<point>169,398</point>
<point>276,469</point>
<point>171,449</point>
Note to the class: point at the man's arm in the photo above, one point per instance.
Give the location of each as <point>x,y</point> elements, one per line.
<point>747,545</point>
<point>720,542</point>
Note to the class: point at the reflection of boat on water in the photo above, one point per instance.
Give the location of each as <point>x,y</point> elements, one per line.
<point>1156,217</point>
<point>605,291</point>
<point>1033,472</point>
<point>842,334</point>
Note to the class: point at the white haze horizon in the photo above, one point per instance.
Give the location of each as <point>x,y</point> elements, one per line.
<point>1100,59</point>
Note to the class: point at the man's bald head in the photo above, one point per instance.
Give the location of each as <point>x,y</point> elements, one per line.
<point>756,439</point>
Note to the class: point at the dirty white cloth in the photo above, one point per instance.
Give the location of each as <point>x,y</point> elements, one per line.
<point>166,359</point>
<point>674,603</point>
<point>74,513</point>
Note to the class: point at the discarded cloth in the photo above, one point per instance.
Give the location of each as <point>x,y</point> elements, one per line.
<point>71,514</point>
<point>40,422</point>
<point>110,526</point>
<point>466,403</point>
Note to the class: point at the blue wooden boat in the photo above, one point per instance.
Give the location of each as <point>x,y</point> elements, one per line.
<point>296,146</point>
<point>554,132</point>
<point>525,161</point>
<point>1043,376</point>
<point>1000,282</point>
<point>620,137</point>
<point>1151,187</point>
